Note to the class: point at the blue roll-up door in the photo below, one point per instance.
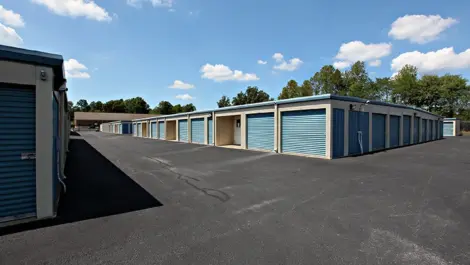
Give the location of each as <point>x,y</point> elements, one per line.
<point>197,131</point>
<point>338,133</point>
<point>394,131</point>
<point>429,132</point>
<point>358,132</point>
<point>424,132</point>
<point>260,131</point>
<point>378,131</point>
<point>139,129</point>
<point>416,131</point>
<point>210,126</point>
<point>183,130</point>
<point>153,126</point>
<point>406,130</point>
<point>161,130</point>
<point>304,132</point>
<point>448,128</point>
<point>435,132</point>
<point>17,153</point>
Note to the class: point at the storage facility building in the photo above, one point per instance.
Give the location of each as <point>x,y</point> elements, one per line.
<point>323,126</point>
<point>452,127</point>
<point>117,127</point>
<point>34,134</point>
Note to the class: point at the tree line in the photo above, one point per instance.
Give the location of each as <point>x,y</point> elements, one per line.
<point>133,105</point>
<point>447,95</point>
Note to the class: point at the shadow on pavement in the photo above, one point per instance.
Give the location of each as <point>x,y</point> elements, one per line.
<point>95,188</point>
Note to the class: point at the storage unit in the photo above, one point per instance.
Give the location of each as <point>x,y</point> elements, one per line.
<point>197,130</point>
<point>416,130</point>
<point>429,132</point>
<point>153,129</point>
<point>406,130</point>
<point>139,129</point>
<point>338,133</point>
<point>134,130</point>
<point>304,132</point>
<point>378,131</point>
<point>394,131</point>
<point>183,130</point>
<point>161,130</point>
<point>358,132</point>
<point>32,150</point>
<point>451,127</point>
<point>424,132</point>
<point>260,131</point>
<point>210,128</point>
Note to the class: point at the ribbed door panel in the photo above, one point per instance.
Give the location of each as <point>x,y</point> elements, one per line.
<point>338,133</point>
<point>260,131</point>
<point>358,132</point>
<point>394,131</point>
<point>154,129</point>
<point>435,132</point>
<point>448,129</point>
<point>406,130</point>
<point>197,131</point>
<point>183,130</point>
<point>134,131</point>
<point>304,132</point>
<point>424,133</point>
<point>210,126</point>
<point>429,132</point>
<point>378,131</point>
<point>139,129</point>
<point>17,137</point>
<point>161,130</point>
<point>416,131</point>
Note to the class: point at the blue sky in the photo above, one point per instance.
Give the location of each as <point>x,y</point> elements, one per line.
<point>126,48</point>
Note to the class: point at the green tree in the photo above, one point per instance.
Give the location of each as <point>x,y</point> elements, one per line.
<point>251,95</point>
<point>328,81</point>
<point>429,93</point>
<point>455,95</point>
<point>384,89</point>
<point>115,106</point>
<point>405,86</point>
<point>136,105</point>
<point>96,106</point>
<point>177,108</point>
<point>164,108</point>
<point>82,105</point>
<point>189,107</point>
<point>358,82</point>
<point>224,101</point>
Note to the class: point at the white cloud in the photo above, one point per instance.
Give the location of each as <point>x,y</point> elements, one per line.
<point>341,64</point>
<point>74,69</point>
<point>220,73</point>
<point>184,97</point>
<point>354,51</point>
<point>420,28</point>
<point>11,18</point>
<point>9,37</point>
<point>434,61</point>
<point>262,62</point>
<point>76,8</point>
<point>375,63</point>
<point>181,85</point>
<point>278,57</point>
<point>155,3</point>
<point>292,65</point>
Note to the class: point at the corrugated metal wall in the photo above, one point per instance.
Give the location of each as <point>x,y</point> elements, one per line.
<point>416,130</point>
<point>210,126</point>
<point>260,131</point>
<point>17,148</point>
<point>304,132</point>
<point>378,131</point>
<point>424,131</point>
<point>429,132</point>
<point>441,131</point>
<point>183,130</point>
<point>406,130</point>
<point>161,130</point>
<point>197,130</point>
<point>139,129</point>
<point>134,131</point>
<point>338,133</point>
<point>435,133</point>
<point>394,131</point>
<point>125,128</point>
<point>153,126</point>
<point>448,128</point>
<point>358,132</point>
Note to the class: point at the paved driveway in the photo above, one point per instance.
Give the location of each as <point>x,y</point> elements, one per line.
<point>196,204</point>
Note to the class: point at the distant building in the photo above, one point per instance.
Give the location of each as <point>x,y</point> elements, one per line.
<point>83,120</point>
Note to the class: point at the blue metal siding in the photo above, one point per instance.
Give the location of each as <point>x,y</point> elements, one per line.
<point>197,131</point>
<point>338,133</point>
<point>358,132</point>
<point>394,131</point>
<point>17,137</point>
<point>183,130</point>
<point>153,126</point>
<point>125,128</point>
<point>139,129</point>
<point>406,130</point>
<point>416,131</point>
<point>210,125</point>
<point>424,124</point>
<point>161,130</point>
<point>378,131</point>
<point>431,131</point>
<point>260,131</point>
<point>304,132</point>
<point>448,128</point>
